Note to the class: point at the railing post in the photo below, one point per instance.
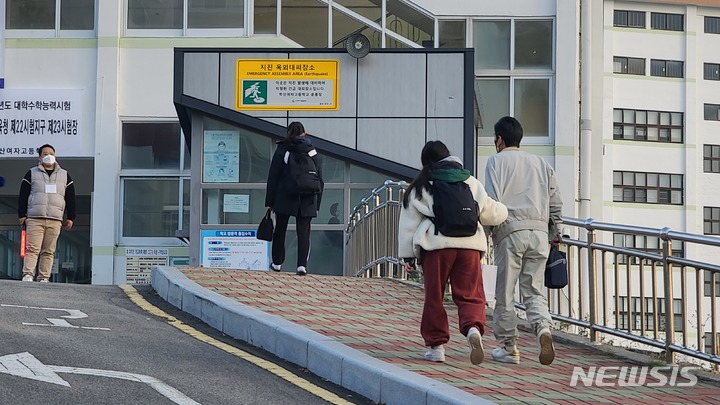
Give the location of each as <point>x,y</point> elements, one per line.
<point>592,285</point>
<point>669,307</point>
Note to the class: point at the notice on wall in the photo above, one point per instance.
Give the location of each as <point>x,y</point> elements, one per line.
<point>238,250</point>
<point>30,118</point>
<point>236,203</point>
<point>287,84</point>
<point>221,156</point>
<point>140,261</point>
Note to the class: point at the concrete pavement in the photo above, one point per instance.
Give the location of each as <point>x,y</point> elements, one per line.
<point>363,334</point>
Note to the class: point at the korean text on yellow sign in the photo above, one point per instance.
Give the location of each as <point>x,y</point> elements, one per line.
<point>287,84</point>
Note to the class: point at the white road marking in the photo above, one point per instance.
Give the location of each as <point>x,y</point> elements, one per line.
<point>72,314</point>
<point>27,366</point>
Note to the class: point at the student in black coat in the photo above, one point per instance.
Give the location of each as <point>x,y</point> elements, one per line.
<point>304,207</point>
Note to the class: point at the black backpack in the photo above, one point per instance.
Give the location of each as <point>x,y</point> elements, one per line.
<point>302,174</point>
<point>456,211</point>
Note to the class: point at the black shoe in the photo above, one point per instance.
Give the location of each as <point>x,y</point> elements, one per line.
<point>301,271</point>
<point>273,268</point>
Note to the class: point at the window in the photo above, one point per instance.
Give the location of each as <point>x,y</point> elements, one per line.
<point>710,345</point>
<point>155,180</point>
<point>630,66</point>
<point>708,281</point>
<point>630,19</point>
<point>649,244</point>
<point>648,188</point>
<point>451,34</point>
<point>520,85</point>
<point>649,314</point>
<point>711,220</point>
<point>711,71</point>
<point>170,14</point>
<point>669,22</point>
<point>666,68</point>
<point>75,15</point>
<point>712,112</point>
<point>711,158</point>
<point>651,126</point>
<point>712,25</point>
<point>265,16</point>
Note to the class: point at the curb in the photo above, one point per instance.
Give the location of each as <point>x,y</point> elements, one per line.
<point>322,355</point>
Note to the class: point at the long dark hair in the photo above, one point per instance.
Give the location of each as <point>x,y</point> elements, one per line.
<point>432,152</point>
<point>294,130</point>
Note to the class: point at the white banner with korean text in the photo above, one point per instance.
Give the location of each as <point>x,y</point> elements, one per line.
<point>30,118</point>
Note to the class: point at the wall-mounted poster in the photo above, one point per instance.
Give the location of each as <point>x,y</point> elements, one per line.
<point>287,84</point>
<point>236,203</point>
<point>32,117</point>
<point>221,157</point>
<point>234,250</point>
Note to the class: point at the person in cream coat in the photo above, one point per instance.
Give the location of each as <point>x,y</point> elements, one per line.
<point>444,258</point>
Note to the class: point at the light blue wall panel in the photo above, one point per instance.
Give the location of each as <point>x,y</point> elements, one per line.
<point>399,140</point>
<point>201,76</point>
<point>445,92</point>
<point>391,85</point>
<point>449,131</point>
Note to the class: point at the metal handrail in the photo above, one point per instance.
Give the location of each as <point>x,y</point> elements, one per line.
<point>613,291</point>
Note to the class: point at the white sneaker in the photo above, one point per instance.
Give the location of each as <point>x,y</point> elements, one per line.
<point>275,267</point>
<point>477,353</point>
<point>502,355</point>
<point>44,280</point>
<point>436,353</point>
<point>547,349</point>
<point>301,271</point>
<point>27,277</point>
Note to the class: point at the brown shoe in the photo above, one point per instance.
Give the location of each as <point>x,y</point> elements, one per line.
<point>547,349</point>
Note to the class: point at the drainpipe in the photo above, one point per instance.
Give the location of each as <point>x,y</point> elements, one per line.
<point>2,44</point>
<point>585,108</point>
<point>585,151</point>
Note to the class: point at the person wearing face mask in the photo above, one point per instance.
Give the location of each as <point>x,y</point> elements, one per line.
<point>526,184</point>
<point>47,192</point>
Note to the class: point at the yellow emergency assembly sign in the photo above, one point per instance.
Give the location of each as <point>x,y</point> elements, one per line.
<point>287,84</point>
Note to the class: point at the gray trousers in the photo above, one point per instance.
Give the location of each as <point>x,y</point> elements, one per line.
<point>520,257</point>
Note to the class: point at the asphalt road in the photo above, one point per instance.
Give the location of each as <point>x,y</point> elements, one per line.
<point>81,344</point>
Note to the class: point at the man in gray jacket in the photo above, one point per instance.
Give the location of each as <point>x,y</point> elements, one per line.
<point>526,184</point>
<point>46,192</point>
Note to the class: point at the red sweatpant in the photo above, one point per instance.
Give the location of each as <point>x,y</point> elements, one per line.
<point>462,267</point>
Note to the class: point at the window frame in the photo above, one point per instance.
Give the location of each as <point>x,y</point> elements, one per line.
<point>56,32</point>
<point>707,282</point>
<point>185,31</point>
<point>619,127</point>
<point>677,251</point>
<point>513,74</point>
<point>711,107</point>
<point>626,63</point>
<point>708,73</point>
<point>649,314</point>
<point>659,189</point>
<point>712,220</point>
<point>627,14</point>
<point>665,68</point>
<point>711,157</point>
<point>708,22</point>
<point>665,18</point>
<point>182,175</point>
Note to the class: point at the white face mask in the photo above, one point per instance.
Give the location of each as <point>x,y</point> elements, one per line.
<point>48,160</point>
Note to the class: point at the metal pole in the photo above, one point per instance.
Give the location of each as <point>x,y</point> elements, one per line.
<point>592,286</point>
<point>669,308</point>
